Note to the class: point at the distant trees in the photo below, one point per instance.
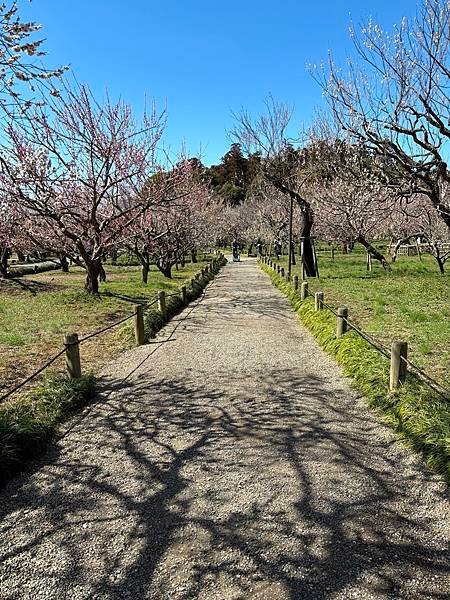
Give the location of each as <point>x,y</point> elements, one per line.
<point>348,190</point>
<point>231,178</point>
<point>417,220</point>
<point>279,164</point>
<point>174,221</point>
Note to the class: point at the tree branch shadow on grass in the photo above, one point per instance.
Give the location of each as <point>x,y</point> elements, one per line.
<point>174,489</point>
<point>28,285</point>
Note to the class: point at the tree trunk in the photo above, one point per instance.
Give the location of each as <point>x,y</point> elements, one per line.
<point>434,248</point>
<point>440,263</point>
<point>145,270</point>
<point>166,269</point>
<point>294,262</point>
<point>194,256</point>
<point>20,256</point>
<point>308,251</point>
<point>102,273</point>
<point>114,256</point>
<point>4,255</point>
<point>308,223</point>
<point>64,262</point>
<point>93,269</point>
<point>374,252</point>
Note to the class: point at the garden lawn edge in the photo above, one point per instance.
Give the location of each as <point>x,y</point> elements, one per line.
<point>417,414</point>
<point>28,422</point>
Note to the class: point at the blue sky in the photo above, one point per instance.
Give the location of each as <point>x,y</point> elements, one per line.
<point>203,59</point>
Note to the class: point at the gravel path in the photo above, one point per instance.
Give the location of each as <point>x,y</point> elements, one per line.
<point>234,462</point>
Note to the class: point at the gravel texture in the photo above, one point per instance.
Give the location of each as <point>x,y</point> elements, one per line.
<point>232,461</point>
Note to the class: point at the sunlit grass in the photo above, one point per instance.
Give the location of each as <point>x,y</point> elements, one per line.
<point>410,303</point>
<point>419,415</point>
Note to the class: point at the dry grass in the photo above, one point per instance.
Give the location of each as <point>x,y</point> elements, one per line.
<point>37,310</point>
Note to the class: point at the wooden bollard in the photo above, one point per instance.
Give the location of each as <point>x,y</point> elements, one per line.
<point>318,300</point>
<point>162,304</point>
<point>295,282</point>
<point>399,351</point>
<point>304,290</point>
<point>73,363</point>
<point>282,272</point>
<point>341,326</point>
<point>139,324</point>
<point>278,268</point>
<point>184,294</point>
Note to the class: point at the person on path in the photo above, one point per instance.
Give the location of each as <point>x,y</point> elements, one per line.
<point>235,248</point>
<point>277,248</point>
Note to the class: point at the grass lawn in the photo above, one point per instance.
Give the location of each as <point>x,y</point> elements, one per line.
<point>37,310</point>
<point>411,303</point>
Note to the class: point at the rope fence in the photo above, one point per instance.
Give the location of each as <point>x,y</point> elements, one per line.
<point>384,351</point>
<point>398,353</point>
<point>72,343</point>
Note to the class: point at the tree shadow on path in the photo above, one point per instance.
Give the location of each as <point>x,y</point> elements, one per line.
<point>178,489</point>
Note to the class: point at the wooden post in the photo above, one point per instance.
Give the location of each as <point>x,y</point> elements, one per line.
<point>318,298</point>
<point>295,282</point>
<point>278,268</point>
<point>184,294</point>
<point>418,250</point>
<point>332,252</point>
<point>139,324</point>
<point>399,350</point>
<point>341,326</point>
<point>304,290</point>
<point>282,272</point>
<point>73,355</point>
<point>369,261</point>
<point>162,304</point>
